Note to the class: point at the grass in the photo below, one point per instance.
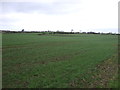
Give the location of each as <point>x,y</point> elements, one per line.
<point>52,61</point>
<point>104,75</point>
<point>114,82</point>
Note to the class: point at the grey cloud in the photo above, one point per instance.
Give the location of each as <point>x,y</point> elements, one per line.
<point>8,20</point>
<point>58,7</point>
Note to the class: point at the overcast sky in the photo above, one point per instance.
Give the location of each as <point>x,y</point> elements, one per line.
<point>63,15</point>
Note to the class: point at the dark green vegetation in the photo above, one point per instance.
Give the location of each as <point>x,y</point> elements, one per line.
<point>59,61</point>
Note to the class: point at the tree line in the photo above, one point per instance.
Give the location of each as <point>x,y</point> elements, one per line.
<point>56,32</point>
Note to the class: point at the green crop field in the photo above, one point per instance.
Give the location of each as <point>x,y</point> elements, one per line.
<point>30,60</point>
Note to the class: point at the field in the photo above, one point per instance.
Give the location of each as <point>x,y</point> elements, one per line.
<point>30,60</point>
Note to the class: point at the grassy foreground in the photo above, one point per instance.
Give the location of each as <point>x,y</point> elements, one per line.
<point>58,61</point>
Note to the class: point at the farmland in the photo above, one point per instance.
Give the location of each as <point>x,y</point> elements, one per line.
<point>30,60</point>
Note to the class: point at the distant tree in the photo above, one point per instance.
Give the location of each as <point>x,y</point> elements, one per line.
<point>22,30</point>
<point>71,30</point>
<point>57,31</point>
<point>84,32</point>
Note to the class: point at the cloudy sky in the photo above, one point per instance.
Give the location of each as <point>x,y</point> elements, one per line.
<point>63,15</point>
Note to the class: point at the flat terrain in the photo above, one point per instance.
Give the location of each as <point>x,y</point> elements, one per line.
<point>59,61</point>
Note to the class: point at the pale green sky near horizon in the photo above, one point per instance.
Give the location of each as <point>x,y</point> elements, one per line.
<point>64,15</point>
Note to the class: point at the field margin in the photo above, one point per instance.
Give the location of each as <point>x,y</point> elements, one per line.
<point>0,60</point>
<point>104,75</point>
